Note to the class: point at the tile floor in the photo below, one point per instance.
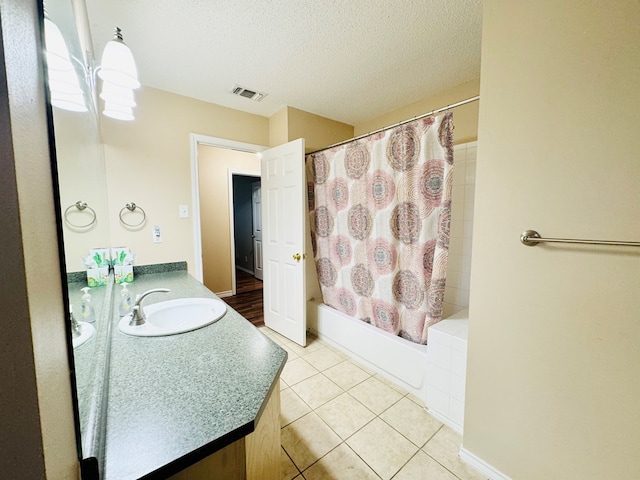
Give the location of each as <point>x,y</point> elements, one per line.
<point>341,421</point>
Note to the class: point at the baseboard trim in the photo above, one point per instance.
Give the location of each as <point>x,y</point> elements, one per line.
<point>227,293</point>
<point>245,270</point>
<point>480,465</point>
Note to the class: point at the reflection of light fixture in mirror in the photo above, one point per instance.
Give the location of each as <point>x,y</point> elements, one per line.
<point>63,80</point>
<point>119,112</point>
<point>119,78</point>
<point>114,94</point>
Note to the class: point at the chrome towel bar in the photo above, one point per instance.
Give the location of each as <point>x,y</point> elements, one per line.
<point>531,238</point>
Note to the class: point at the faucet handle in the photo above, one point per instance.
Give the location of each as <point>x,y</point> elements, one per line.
<point>137,312</point>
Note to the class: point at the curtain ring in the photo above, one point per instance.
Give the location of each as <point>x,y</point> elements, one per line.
<point>80,206</point>
<point>132,207</point>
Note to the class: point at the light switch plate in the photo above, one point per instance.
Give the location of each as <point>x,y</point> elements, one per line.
<point>184,211</point>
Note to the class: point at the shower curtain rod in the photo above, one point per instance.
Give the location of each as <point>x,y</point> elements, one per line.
<point>424,115</point>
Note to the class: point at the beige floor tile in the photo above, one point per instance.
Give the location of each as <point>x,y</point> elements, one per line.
<point>384,449</point>
<point>308,439</point>
<point>444,447</point>
<point>317,390</point>
<point>425,467</point>
<point>287,467</point>
<point>415,400</point>
<point>375,395</point>
<point>345,415</point>
<point>313,344</point>
<point>390,384</point>
<point>346,374</point>
<point>340,464</point>
<point>323,358</point>
<point>283,384</point>
<point>297,370</point>
<point>292,407</point>
<point>291,355</point>
<point>411,421</point>
<point>273,335</point>
<point>362,366</point>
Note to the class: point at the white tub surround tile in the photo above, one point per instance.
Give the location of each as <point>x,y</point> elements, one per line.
<point>446,370</point>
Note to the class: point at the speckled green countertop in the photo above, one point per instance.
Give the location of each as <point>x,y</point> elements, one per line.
<point>176,399</point>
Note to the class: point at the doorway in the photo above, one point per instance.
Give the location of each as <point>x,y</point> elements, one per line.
<point>213,218</point>
<point>246,224</point>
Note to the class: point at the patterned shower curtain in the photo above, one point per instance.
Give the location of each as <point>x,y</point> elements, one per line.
<point>380,219</point>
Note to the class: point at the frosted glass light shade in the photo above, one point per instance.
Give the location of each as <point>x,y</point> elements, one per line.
<point>118,66</point>
<point>118,112</point>
<point>56,51</point>
<point>73,102</point>
<point>63,80</point>
<point>114,94</point>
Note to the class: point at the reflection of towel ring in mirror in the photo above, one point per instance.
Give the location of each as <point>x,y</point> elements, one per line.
<point>81,207</point>
<point>132,207</point>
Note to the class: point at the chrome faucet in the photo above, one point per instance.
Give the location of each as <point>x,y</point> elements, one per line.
<point>137,316</point>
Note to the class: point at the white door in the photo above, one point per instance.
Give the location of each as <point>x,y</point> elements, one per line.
<point>257,230</point>
<point>283,211</point>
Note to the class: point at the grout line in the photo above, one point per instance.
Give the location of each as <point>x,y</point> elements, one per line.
<point>294,463</point>
<point>375,416</point>
<point>405,464</point>
<point>431,437</point>
<point>443,466</point>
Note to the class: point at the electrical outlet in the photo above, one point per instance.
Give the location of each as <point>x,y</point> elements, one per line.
<point>157,238</point>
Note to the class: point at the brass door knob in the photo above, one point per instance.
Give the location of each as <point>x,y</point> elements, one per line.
<point>297,257</point>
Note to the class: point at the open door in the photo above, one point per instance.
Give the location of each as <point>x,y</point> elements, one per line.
<point>283,213</point>
<point>257,230</point>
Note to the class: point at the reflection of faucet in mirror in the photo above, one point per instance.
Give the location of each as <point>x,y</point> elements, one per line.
<point>137,316</point>
<point>76,331</point>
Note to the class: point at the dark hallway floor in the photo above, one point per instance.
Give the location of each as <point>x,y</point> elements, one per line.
<point>248,298</point>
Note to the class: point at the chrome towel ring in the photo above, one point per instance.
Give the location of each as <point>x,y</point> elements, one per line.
<point>80,206</point>
<point>132,207</point>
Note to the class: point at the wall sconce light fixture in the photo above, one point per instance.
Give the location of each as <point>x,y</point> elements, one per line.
<point>117,71</point>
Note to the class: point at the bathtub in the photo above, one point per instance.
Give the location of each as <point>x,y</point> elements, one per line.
<point>400,361</point>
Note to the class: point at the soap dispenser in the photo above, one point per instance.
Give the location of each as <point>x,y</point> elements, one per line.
<point>76,329</point>
<point>88,313</point>
<point>125,301</point>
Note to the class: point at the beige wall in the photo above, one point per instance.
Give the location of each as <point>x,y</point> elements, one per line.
<point>82,177</point>
<point>213,174</point>
<point>553,384</point>
<point>278,128</point>
<point>37,438</point>
<point>465,117</point>
<point>318,132</point>
<point>148,162</point>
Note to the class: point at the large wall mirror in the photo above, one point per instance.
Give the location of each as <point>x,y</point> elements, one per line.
<point>83,199</point>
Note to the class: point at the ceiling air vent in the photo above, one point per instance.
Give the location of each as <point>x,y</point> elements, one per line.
<point>246,93</point>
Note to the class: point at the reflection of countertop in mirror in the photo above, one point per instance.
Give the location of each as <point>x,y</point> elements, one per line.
<point>86,355</point>
<point>197,391</point>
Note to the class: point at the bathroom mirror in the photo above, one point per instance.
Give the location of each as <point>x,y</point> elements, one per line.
<point>82,181</point>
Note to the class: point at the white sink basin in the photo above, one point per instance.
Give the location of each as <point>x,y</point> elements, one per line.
<point>86,332</point>
<point>175,316</point>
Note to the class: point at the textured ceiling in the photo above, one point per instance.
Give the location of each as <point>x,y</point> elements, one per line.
<point>349,60</point>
